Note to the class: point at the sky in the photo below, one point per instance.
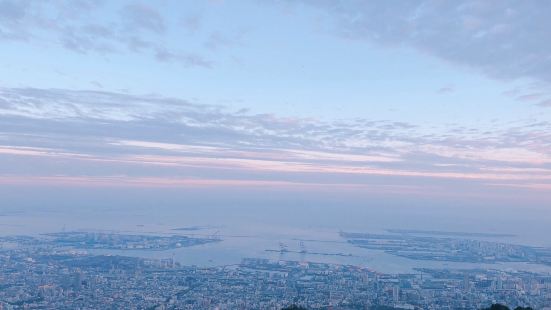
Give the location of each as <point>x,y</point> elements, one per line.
<point>432,100</point>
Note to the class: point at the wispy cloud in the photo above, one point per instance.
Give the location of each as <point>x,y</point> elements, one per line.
<point>189,59</point>
<point>93,27</point>
<point>445,90</point>
<point>506,40</point>
<point>101,134</point>
<point>139,16</point>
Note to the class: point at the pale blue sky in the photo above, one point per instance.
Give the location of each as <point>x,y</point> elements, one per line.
<point>269,58</point>
<point>284,91</point>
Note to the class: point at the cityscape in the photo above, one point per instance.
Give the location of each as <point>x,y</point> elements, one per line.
<point>411,245</point>
<point>54,271</point>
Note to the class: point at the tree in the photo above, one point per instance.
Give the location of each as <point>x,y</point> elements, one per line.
<point>294,307</point>
<point>497,307</point>
<point>502,307</point>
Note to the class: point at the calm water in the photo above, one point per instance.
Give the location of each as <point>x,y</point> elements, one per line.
<point>249,233</point>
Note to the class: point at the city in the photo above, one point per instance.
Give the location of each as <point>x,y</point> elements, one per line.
<point>38,273</point>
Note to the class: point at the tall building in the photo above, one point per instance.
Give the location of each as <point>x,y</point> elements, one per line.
<point>466,283</point>
<point>499,284</point>
<point>396,293</point>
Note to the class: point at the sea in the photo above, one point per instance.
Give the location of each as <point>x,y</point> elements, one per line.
<point>262,231</point>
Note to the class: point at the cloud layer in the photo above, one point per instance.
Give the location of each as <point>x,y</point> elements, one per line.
<point>53,136</point>
<point>85,26</point>
<point>503,39</point>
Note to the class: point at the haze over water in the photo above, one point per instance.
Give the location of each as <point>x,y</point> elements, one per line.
<point>263,222</point>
